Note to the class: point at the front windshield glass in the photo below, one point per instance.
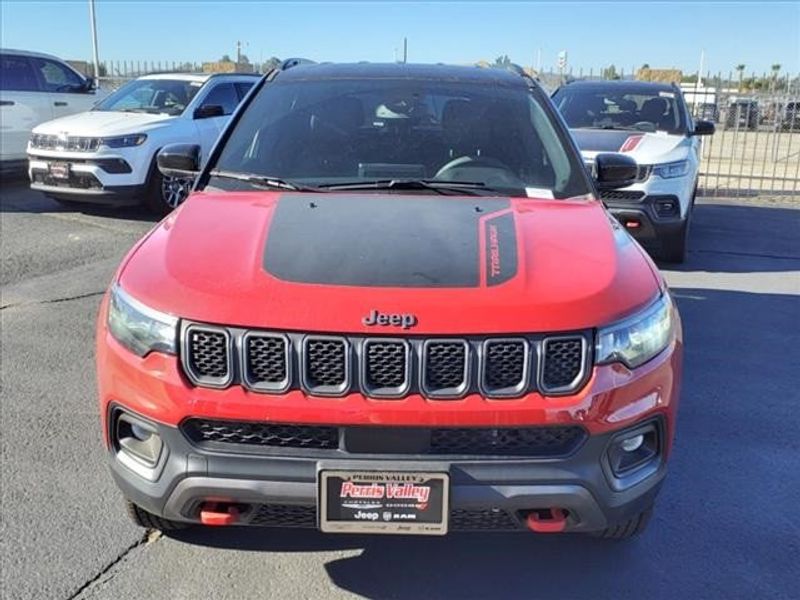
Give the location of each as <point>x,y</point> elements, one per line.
<point>342,131</point>
<point>619,107</point>
<point>157,96</point>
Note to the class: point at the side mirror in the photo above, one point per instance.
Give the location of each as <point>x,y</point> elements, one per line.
<point>179,160</point>
<point>208,110</point>
<point>90,85</point>
<point>704,128</point>
<point>614,171</point>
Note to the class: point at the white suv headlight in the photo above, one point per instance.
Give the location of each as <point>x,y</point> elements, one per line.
<point>124,141</point>
<point>672,169</point>
<point>140,328</point>
<point>639,338</point>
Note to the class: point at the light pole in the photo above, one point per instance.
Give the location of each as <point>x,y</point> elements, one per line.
<point>93,24</point>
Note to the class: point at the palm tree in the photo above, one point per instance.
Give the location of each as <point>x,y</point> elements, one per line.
<point>776,68</point>
<point>740,70</point>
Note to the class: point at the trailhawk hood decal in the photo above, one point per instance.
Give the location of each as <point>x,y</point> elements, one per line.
<point>321,262</point>
<point>645,148</point>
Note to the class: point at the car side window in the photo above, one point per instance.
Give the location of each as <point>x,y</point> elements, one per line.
<point>224,95</point>
<point>56,77</point>
<point>16,74</point>
<point>243,88</point>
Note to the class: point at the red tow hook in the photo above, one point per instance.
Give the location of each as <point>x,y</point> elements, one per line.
<point>213,513</point>
<point>554,522</point>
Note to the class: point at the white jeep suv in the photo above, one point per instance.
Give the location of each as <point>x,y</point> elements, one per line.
<point>35,88</point>
<point>650,123</point>
<point>107,155</point>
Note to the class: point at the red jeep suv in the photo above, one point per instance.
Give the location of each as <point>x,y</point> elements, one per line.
<point>392,304</point>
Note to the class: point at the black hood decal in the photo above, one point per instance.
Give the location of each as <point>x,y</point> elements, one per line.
<point>389,241</point>
<point>601,140</point>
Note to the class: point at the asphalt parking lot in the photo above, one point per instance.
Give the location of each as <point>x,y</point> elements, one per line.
<point>725,524</point>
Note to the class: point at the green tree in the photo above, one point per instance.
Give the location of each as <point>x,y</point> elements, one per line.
<point>225,58</point>
<point>502,61</point>
<point>610,72</point>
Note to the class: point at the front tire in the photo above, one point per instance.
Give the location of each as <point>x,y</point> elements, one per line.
<point>165,194</point>
<point>148,520</point>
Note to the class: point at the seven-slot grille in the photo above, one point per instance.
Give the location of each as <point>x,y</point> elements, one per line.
<point>46,141</point>
<point>389,368</point>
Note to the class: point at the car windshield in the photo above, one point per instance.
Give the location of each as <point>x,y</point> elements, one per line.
<point>620,107</point>
<point>353,132</point>
<point>157,96</point>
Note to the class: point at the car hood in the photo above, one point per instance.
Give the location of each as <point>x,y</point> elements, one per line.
<point>645,148</point>
<point>323,262</point>
<point>102,123</point>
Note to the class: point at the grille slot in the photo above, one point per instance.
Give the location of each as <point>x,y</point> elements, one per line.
<point>277,435</point>
<point>284,515</point>
<point>385,367</point>
<point>624,195</point>
<point>505,367</point>
<point>461,519</point>
<point>326,365</point>
<point>488,519</point>
<point>266,363</point>
<point>207,356</point>
<point>563,363</point>
<point>539,442</point>
<point>445,368</point>
<point>507,441</point>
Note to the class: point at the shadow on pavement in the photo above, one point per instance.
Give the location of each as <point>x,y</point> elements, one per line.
<point>765,239</point>
<point>722,526</point>
<point>16,197</point>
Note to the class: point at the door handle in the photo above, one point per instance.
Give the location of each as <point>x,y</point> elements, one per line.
<point>6,103</point>
<point>60,103</point>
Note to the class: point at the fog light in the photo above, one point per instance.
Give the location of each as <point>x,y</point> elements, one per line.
<point>630,452</point>
<point>632,444</point>
<point>137,439</point>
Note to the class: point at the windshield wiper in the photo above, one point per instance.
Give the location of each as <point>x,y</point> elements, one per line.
<point>264,181</point>
<point>614,128</point>
<point>467,188</point>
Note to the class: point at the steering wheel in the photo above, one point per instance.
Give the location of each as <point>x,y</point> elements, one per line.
<point>646,126</point>
<point>470,162</point>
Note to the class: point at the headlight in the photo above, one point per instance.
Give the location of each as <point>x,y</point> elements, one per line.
<point>639,338</point>
<point>673,169</point>
<point>140,328</point>
<point>125,141</point>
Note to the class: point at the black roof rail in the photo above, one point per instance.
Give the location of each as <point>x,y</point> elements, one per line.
<point>293,62</point>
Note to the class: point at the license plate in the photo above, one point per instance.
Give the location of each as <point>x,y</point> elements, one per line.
<point>58,170</point>
<point>383,502</point>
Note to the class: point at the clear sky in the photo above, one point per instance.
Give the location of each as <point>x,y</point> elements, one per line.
<point>595,34</point>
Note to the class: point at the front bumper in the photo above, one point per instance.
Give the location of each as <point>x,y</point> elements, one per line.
<point>653,211</point>
<point>485,494</point>
<point>279,486</point>
<point>119,176</point>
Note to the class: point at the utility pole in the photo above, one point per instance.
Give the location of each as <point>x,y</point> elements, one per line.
<point>405,50</point>
<point>93,24</point>
<point>238,53</point>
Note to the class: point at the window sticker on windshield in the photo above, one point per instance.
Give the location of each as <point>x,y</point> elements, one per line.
<point>539,193</point>
<point>667,94</point>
